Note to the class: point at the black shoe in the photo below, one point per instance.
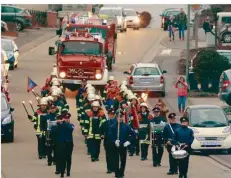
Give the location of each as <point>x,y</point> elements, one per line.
<point>93,159</point>
<point>185,176</point>
<point>155,165</point>
<point>57,172</point>
<point>49,164</point>
<point>68,174</point>
<point>97,159</point>
<point>142,159</point>
<point>158,164</point>
<point>175,172</point>
<point>62,175</point>
<point>130,154</point>
<point>44,157</point>
<point>109,171</point>
<point>170,173</point>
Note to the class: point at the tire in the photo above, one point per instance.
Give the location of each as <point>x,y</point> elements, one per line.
<point>226,37</point>
<point>229,100</point>
<point>19,26</point>
<point>10,138</point>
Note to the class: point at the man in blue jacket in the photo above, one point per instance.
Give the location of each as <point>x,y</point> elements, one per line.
<point>184,137</point>
<point>168,136</point>
<point>119,135</point>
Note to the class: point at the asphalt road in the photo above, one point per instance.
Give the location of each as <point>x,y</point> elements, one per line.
<point>19,159</point>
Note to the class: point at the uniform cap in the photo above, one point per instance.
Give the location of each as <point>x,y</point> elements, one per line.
<point>143,105</point>
<point>156,109</point>
<point>95,104</point>
<point>88,85</point>
<point>111,78</point>
<point>50,98</point>
<point>91,97</point>
<point>54,79</point>
<point>183,119</point>
<point>53,88</point>
<point>172,116</point>
<point>43,101</point>
<point>92,90</point>
<point>111,111</point>
<point>54,93</point>
<point>56,83</point>
<point>59,90</point>
<point>53,73</point>
<point>97,97</point>
<point>124,82</point>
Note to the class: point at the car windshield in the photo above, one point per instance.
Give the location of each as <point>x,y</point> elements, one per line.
<point>130,13</point>
<point>80,47</point>
<point>7,45</point>
<point>4,105</point>
<point>146,71</point>
<point>227,55</point>
<point>93,31</point>
<point>210,117</point>
<point>174,13</point>
<point>111,12</point>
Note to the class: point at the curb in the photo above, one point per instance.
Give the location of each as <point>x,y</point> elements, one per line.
<point>220,161</point>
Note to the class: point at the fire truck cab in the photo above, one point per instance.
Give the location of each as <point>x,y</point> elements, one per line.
<point>80,55</point>
<point>97,26</point>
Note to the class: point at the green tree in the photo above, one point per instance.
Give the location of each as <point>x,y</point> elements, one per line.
<point>209,67</point>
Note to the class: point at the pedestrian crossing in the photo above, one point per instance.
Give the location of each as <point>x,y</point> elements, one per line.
<point>166,52</point>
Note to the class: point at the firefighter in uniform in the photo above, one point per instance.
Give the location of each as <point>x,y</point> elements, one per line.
<point>168,135</point>
<point>57,102</point>
<point>63,100</point>
<point>144,131</point>
<point>134,123</point>
<point>96,118</point>
<point>63,138</point>
<point>80,96</point>
<point>119,101</point>
<point>46,87</point>
<point>184,138</point>
<point>119,135</point>
<point>108,146</point>
<point>46,123</point>
<point>42,110</point>
<point>158,146</point>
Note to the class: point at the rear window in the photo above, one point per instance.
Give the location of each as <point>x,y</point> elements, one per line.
<point>146,71</point>
<point>172,13</point>
<point>226,19</point>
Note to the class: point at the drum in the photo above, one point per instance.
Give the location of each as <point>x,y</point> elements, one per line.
<point>178,154</point>
<point>157,134</point>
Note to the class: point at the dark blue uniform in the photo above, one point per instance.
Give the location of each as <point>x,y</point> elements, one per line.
<point>64,146</point>
<point>108,146</point>
<point>184,135</point>
<point>120,153</point>
<point>168,135</point>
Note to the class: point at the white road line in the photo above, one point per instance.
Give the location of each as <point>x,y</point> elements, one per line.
<point>166,52</point>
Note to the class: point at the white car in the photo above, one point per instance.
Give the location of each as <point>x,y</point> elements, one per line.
<point>132,19</point>
<point>119,13</point>
<point>210,126</point>
<point>12,52</point>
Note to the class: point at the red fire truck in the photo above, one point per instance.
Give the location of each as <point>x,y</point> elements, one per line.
<point>97,27</point>
<point>80,55</point>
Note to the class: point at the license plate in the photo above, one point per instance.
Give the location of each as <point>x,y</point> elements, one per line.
<point>211,143</point>
<point>146,79</point>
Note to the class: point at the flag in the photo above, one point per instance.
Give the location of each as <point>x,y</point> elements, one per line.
<point>30,85</point>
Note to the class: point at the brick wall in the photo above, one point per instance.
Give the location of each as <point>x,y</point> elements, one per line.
<point>52,19</point>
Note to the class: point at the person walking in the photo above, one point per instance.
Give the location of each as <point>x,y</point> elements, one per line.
<point>206,25</point>
<point>182,22</point>
<point>168,136</point>
<point>182,93</point>
<point>171,29</point>
<point>184,138</point>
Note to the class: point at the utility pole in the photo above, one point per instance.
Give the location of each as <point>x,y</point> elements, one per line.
<point>188,43</point>
<point>196,30</point>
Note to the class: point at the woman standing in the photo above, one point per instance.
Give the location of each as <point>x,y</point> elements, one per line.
<point>171,29</point>
<point>182,93</point>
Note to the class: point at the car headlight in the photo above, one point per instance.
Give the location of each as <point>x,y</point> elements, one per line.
<point>137,20</point>
<point>226,130</point>
<point>98,76</point>
<point>7,120</point>
<point>62,74</point>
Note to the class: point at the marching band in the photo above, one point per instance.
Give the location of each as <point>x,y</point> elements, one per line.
<point>119,117</point>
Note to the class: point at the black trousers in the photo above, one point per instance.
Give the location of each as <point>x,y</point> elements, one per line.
<point>144,150</point>
<point>64,156</point>
<point>41,145</point>
<point>157,153</point>
<point>94,147</point>
<point>183,166</point>
<point>51,153</point>
<point>120,156</point>
<point>109,156</point>
<point>173,163</point>
<point>135,147</point>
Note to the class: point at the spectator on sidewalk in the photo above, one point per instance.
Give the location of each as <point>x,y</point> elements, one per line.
<point>171,28</point>
<point>182,93</point>
<point>206,25</point>
<point>182,21</point>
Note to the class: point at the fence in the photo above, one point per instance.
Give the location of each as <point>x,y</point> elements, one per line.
<point>39,18</point>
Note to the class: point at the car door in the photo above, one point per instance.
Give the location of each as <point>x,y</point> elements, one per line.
<point>146,77</point>
<point>8,14</point>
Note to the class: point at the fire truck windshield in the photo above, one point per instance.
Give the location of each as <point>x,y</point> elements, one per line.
<point>81,47</point>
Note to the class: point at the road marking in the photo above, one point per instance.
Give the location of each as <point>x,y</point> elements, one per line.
<point>166,52</point>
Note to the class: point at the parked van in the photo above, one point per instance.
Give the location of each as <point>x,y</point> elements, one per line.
<point>224,21</point>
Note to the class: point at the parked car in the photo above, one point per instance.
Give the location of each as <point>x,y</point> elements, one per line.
<point>167,15</point>
<point>132,19</point>
<point>226,53</point>
<point>7,120</point>
<point>224,26</point>
<point>225,87</point>
<point>119,13</point>
<point>163,14</point>
<point>210,126</point>
<point>12,52</point>
<point>20,16</point>
<point>146,76</point>
<point>4,26</point>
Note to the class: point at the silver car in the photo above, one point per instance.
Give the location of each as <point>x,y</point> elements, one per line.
<point>132,19</point>
<point>146,77</point>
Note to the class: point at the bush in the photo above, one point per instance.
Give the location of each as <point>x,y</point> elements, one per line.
<point>209,67</point>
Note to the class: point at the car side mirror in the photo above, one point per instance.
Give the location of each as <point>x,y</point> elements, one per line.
<point>164,72</point>
<point>59,32</point>
<point>51,51</point>
<point>127,72</point>
<point>11,109</point>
